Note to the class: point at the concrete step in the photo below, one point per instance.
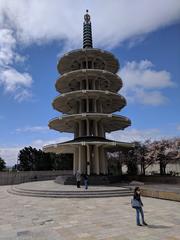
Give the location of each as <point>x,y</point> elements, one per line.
<point>70,194</point>
<point>75,191</point>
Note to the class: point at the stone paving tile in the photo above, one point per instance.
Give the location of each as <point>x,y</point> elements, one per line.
<point>28,218</point>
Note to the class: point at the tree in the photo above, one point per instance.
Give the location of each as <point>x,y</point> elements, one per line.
<point>2,164</point>
<point>143,157</point>
<point>26,159</point>
<point>63,161</point>
<point>164,152</point>
<point>115,162</point>
<point>131,161</point>
<point>31,159</point>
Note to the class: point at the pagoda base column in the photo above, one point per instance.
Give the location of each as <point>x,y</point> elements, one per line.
<point>96,159</point>
<point>79,160</point>
<point>75,161</point>
<point>88,160</point>
<point>103,161</point>
<point>83,160</point>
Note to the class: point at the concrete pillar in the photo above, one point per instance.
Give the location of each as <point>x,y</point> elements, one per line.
<point>77,107</point>
<point>80,128</point>
<point>101,108</point>
<point>81,84</point>
<point>105,163</point>
<point>101,130</point>
<point>87,84</point>
<point>76,132</point>
<point>96,127</point>
<point>88,160</point>
<point>87,104</point>
<point>80,160</point>
<point>83,159</point>
<point>94,86</point>
<point>75,161</point>
<point>95,105</point>
<point>96,158</point>
<point>102,161</point>
<point>99,84</point>
<point>87,127</point>
<point>80,106</point>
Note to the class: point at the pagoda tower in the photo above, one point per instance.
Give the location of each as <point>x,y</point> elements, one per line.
<point>88,88</point>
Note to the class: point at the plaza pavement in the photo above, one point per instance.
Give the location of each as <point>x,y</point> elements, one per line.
<point>33,218</point>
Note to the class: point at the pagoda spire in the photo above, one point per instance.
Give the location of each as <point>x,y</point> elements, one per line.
<point>87,33</point>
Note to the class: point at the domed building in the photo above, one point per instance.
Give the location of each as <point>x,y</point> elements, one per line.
<point>88,96</point>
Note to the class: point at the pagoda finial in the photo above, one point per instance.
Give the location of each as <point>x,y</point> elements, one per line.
<point>87,17</point>
<point>87,33</point>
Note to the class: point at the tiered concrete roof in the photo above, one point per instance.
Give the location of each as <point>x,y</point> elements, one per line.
<point>70,81</point>
<point>110,122</point>
<point>68,102</point>
<point>68,62</point>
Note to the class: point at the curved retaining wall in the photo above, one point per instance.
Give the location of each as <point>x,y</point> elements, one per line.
<point>10,178</point>
<point>152,179</point>
<point>161,194</point>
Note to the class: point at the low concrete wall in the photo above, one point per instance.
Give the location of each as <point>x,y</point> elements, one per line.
<point>151,179</point>
<point>10,178</point>
<point>173,196</point>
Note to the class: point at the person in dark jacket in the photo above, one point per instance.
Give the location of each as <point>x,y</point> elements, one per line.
<point>139,210</point>
<point>86,181</point>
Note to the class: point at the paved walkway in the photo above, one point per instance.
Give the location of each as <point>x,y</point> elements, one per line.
<point>30,218</point>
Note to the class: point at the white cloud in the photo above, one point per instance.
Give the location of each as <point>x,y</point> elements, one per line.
<point>113,21</point>
<point>22,94</point>
<point>13,81</point>
<point>7,45</point>
<point>39,143</point>
<point>132,134</point>
<point>32,129</point>
<point>36,22</point>
<point>9,154</point>
<point>144,84</point>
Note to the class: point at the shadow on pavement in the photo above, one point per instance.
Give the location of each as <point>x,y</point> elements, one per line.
<point>158,226</point>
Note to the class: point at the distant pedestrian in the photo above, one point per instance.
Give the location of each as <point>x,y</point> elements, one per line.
<point>137,204</point>
<point>78,179</point>
<point>86,181</point>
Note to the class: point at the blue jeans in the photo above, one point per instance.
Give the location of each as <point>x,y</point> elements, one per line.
<point>139,211</point>
<point>86,184</point>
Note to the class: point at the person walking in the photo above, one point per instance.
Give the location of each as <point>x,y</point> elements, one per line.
<point>137,204</point>
<point>86,181</point>
<point>78,179</point>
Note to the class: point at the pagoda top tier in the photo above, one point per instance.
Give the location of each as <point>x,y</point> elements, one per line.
<point>88,58</point>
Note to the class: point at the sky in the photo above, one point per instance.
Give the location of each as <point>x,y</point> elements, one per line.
<point>144,35</point>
